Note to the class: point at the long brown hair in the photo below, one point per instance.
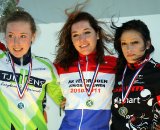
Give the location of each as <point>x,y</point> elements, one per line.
<point>66,53</point>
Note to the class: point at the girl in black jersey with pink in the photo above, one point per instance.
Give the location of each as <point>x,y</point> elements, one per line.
<point>137,85</point>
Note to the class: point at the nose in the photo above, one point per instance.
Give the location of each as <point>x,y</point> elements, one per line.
<point>82,37</point>
<point>129,47</point>
<point>16,40</point>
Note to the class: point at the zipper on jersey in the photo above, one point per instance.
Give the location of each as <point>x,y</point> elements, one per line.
<point>86,63</point>
<point>79,128</point>
<point>82,114</point>
<point>23,76</point>
<point>23,82</point>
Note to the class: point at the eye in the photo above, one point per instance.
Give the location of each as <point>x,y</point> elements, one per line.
<point>23,36</point>
<point>123,43</point>
<point>87,32</point>
<point>135,42</point>
<point>10,36</point>
<point>75,35</point>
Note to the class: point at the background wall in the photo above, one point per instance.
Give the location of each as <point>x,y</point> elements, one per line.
<point>52,11</point>
<point>47,40</point>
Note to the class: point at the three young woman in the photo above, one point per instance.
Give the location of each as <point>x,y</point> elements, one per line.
<point>86,76</point>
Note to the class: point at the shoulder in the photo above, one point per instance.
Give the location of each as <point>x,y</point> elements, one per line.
<point>109,64</point>
<point>158,66</point>
<point>56,65</point>
<point>2,47</point>
<point>41,60</point>
<point>154,63</point>
<point>61,70</point>
<point>2,53</point>
<point>110,59</point>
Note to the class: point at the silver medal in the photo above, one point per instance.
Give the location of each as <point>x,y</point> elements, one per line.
<point>20,105</point>
<point>123,111</point>
<point>89,103</point>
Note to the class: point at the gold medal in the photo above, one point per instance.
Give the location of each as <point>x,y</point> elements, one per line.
<point>123,111</point>
<point>89,103</point>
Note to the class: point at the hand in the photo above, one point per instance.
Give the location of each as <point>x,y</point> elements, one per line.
<point>45,116</point>
<point>157,127</point>
<point>62,105</point>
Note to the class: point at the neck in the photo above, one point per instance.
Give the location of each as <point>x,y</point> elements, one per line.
<point>23,60</point>
<point>139,63</point>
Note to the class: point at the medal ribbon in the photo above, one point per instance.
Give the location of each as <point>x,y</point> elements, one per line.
<point>21,91</point>
<point>89,91</point>
<point>124,97</point>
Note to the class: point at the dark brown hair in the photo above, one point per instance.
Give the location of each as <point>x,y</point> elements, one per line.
<point>136,25</point>
<point>66,53</point>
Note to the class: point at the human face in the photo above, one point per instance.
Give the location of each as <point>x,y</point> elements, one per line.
<point>133,46</point>
<point>18,38</point>
<point>84,37</point>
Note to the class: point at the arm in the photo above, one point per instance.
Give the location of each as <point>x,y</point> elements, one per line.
<point>156,114</point>
<point>156,102</point>
<point>54,89</point>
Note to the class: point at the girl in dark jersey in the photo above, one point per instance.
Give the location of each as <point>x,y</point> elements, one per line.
<point>135,101</point>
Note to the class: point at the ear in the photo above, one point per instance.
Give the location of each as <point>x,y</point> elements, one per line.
<point>148,44</point>
<point>33,37</point>
<point>97,35</point>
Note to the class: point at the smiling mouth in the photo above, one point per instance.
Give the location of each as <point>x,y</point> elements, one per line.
<point>83,46</point>
<point>15,49</point>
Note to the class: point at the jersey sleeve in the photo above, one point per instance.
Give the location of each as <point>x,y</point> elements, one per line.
<point>156,101</point>
<point>2,47</point>
<point>53,88</point>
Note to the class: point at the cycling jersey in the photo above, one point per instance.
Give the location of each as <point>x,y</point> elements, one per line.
<point>87,104</point>
<point>141,108</point>
<point>23,88</point>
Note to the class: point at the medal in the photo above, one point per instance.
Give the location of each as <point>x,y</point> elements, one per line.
<point>21,89</point>
<point>89,103</point>
<point>123,111</point>
<point>20,105</point>
<point>124,96</point>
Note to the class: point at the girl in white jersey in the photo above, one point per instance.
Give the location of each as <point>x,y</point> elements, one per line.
<point>24,78</point>
<point>86,73</point>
